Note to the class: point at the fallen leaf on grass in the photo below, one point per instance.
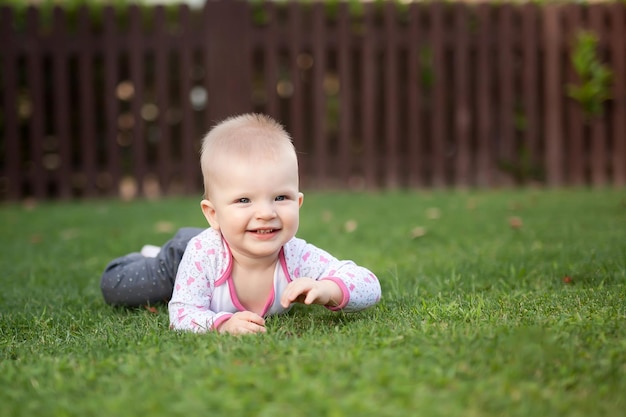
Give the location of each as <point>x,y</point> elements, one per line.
<point>417,232</point>
<point>351,226</point>
<point>515,222</point>
<point>567,279</point>
<point>152,309</point>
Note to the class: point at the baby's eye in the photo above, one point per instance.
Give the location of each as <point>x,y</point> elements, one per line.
<point>281,198</point>
<point>243,200</point>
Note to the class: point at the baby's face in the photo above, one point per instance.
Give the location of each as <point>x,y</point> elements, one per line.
<point>255,203</point>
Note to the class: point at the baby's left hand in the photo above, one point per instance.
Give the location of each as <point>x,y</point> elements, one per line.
<point>310,291</point>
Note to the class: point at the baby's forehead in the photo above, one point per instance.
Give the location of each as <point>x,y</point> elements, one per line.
<point>246,174</point>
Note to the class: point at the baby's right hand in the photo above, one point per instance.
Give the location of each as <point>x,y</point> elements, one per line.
<point>243,322</point>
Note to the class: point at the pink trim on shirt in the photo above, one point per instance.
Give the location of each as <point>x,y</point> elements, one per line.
<point>270,301</point>
<point>346,293</point>
<point>218,322</point>
<point>222,279</point>
<point>233,294</point>
<point>283,264</point>
<point>227,277</point>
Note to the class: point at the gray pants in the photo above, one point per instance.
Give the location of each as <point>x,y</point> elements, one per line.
<point>134,280</point>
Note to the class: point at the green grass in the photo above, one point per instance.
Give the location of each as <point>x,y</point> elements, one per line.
<point>477,317</point>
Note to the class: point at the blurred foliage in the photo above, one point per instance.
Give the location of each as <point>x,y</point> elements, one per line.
<point>593,75</point>
<point>72,8</point>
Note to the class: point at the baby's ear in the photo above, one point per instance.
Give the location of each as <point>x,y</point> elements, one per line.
<point>300,199</point>
<point>209,214</point>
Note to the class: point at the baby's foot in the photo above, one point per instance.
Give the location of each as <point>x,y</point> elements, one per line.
<point>150,251</point>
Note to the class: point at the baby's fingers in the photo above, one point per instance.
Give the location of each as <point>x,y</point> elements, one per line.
<point>311,296</point>
<point>246,327</point>
<point>295,291</point>
<point>252,318</point>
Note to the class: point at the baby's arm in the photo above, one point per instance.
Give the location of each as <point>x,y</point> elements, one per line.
<point>189,308</point>
<point>359,287</point>
<point>310,291</point>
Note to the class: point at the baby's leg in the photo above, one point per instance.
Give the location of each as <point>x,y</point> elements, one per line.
<point>135,280</point>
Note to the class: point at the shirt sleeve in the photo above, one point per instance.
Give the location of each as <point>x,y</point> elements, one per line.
<point>189,308</point>
<point>360,287</point>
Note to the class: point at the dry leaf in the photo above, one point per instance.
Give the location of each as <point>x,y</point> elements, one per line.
<point>350,226</point>
<point>515,222</point>
<point>418,231</point>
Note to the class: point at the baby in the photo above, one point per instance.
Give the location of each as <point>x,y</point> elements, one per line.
<point>248,264</point>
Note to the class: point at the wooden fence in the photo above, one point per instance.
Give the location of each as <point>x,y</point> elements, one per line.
<point>380,95</point>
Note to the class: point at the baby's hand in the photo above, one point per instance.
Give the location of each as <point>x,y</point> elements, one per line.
<point>243,322</point>
<point>310,291</point>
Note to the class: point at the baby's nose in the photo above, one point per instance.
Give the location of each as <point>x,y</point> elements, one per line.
<point>265,210</point>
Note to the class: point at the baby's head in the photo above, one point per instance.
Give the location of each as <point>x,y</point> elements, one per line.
<point>253,138</point>
<point>251,186</point>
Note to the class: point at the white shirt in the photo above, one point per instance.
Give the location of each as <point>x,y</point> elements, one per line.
<point>204,295</point>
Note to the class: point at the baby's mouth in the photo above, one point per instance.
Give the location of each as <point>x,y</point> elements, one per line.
<point>264,231</point>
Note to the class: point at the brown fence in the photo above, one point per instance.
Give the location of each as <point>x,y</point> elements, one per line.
<point>375,95</point>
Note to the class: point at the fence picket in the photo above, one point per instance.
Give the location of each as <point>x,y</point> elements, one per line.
<point>462,118</point>
<point>346,89</point>
<point>599,156</point>
<point>576,161</point>
<point>110,175</point>
<point>137,58</point>
<point>531,105</point>
<point>391,101</point>
<point>271,61</point>
<point>59,155</point>
<point>617,16</point>
<point>35,89</point>
<point>189,141</point>
<point>506,147</point>
<point>86,178</point>
<point>415,132</point>
<point>369,86</point>
<point>438,139</point>
<point>11,177</point>
<point>484,80</point>
<point>553,98</point>
<point>319,126</point>
<point>296,103</point>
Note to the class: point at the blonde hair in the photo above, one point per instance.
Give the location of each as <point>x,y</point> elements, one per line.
<point>250,135</point>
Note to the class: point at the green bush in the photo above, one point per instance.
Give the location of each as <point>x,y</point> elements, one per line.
<point>595,77</point>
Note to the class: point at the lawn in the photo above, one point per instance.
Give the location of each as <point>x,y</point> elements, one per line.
<point>501,303</point>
